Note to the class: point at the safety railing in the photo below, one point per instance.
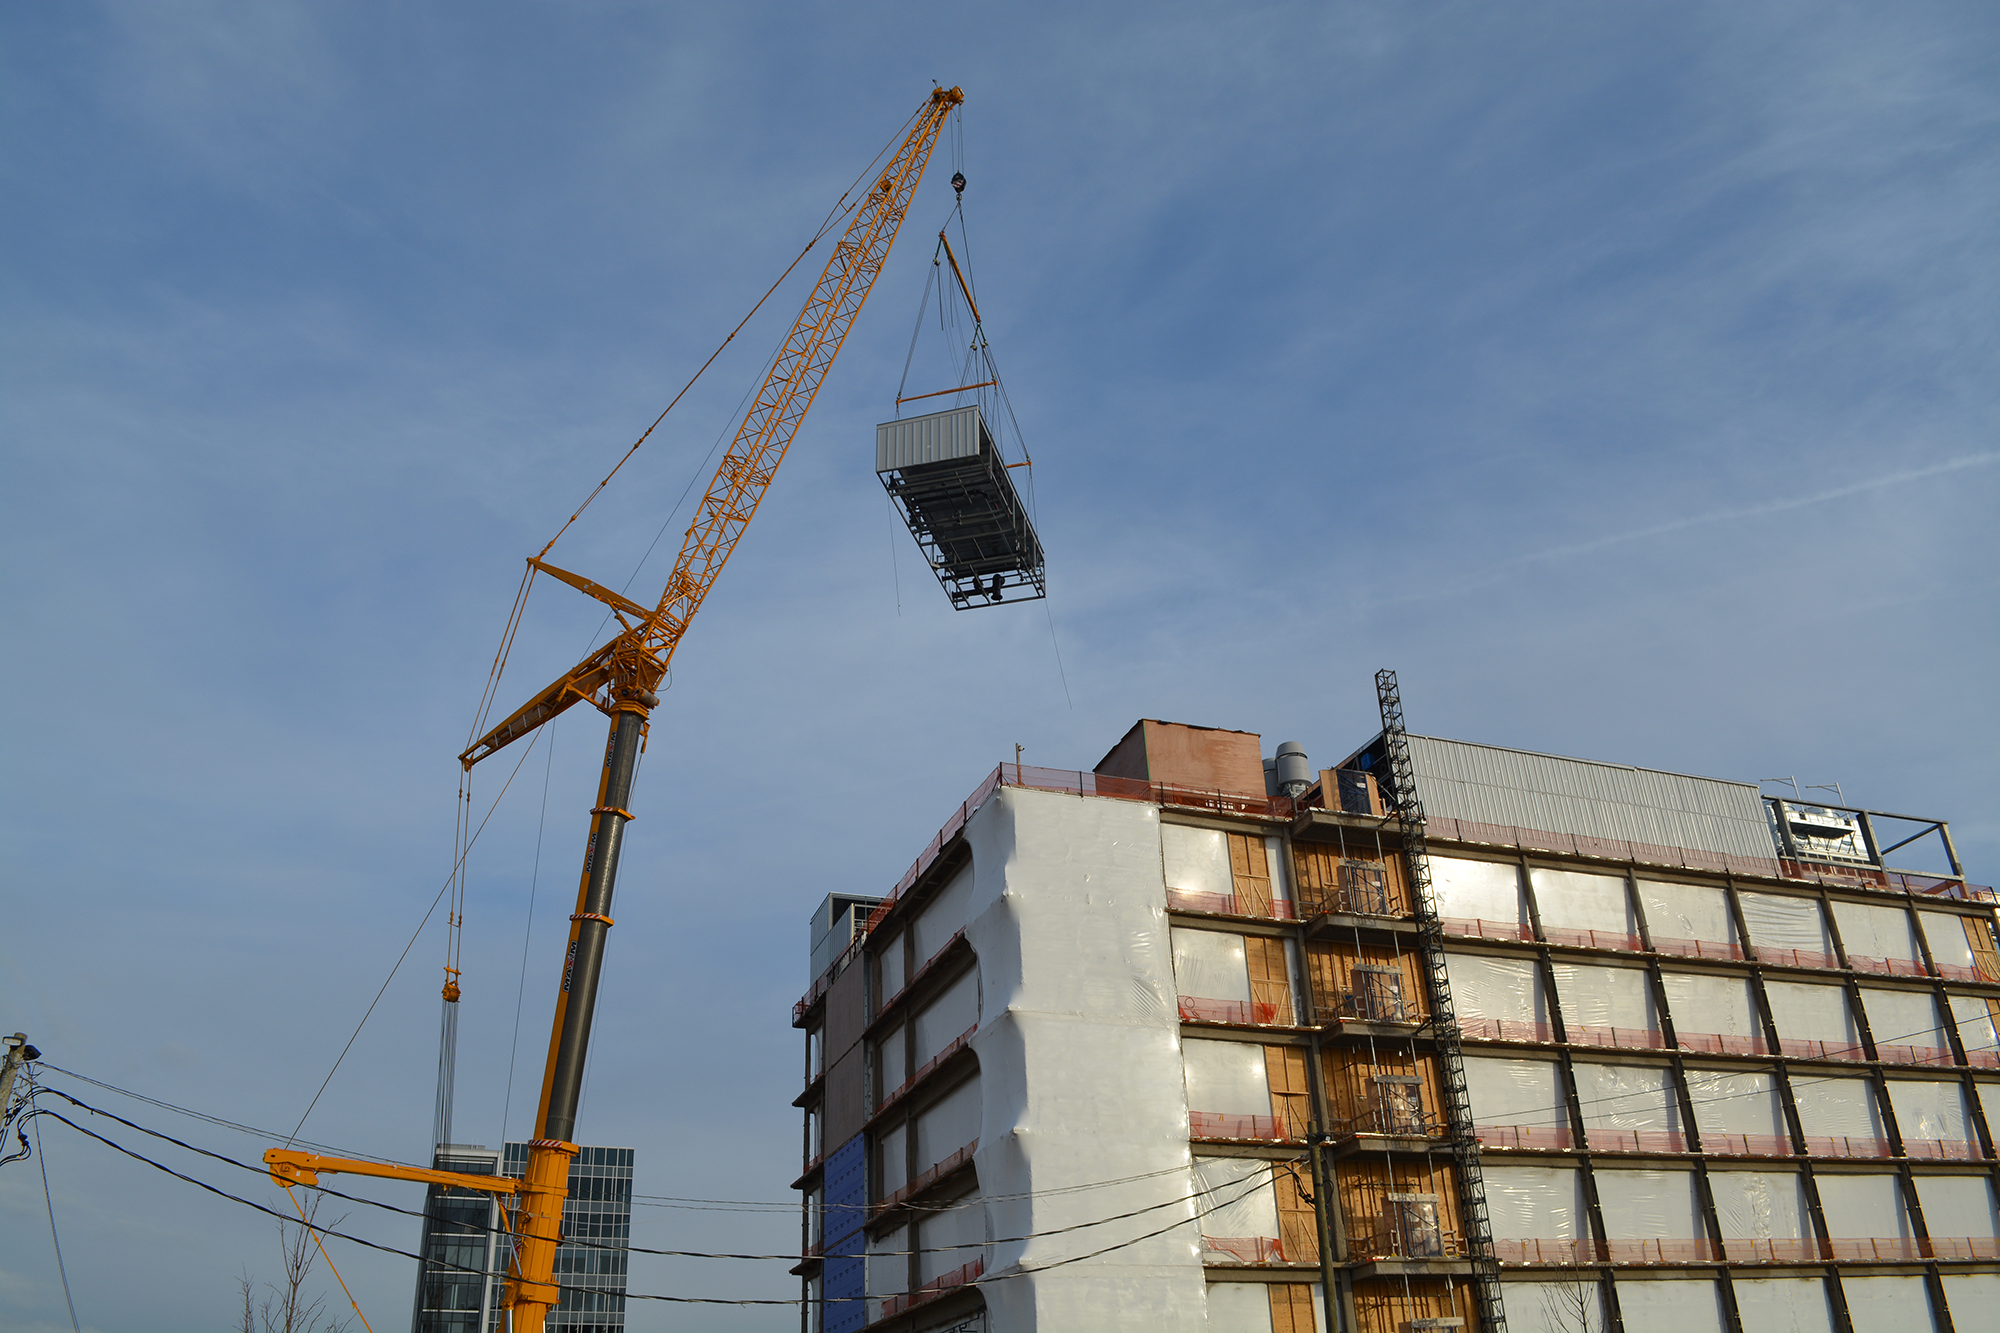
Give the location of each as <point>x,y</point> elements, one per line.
<point>1746,1145</point>
<point>1845,1145</point>
<point>1960,972</point>
<point>1915,1055</point>
<point>1941,1150</point>
<point>1218,1125</point>
<point>1719,1043</point>
<point>1245,1013</point>
<point>1332,1003</point>
<point>1389,1124</point>
<point>1886,967</point>
<point>1819,962</point>
<point>924,969</point>
<point>1592,939</point>
<point>1686,1250</point>
<point>1523,1138</point>
<point>1698,949</point>
<point>935,1288</point>
<point>1229,904</point>
<point>1386,1240</point>
<point>1964,1247</point>
<point>1546,1253</point>
<point>1983,1059</point>
<point>1505,1029</point>
<point>1584,1034</point>
<point>1243,1249</point>
<point>1472,928</point>
<point>1637,1140</point>
<point>1801,1048</point>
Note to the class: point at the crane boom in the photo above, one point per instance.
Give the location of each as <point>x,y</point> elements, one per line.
<point>639,657</point>
<point>619,678</point>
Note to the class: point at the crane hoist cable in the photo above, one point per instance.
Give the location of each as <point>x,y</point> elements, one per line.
<point>620,679</point>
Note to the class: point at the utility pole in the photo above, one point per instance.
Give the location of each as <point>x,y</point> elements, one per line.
<point>18,1054</point>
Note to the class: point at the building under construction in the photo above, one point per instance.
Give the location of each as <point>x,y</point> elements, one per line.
<point>1465,1037</point>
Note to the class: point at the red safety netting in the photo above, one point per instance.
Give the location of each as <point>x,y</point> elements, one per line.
<point>1216,1125</point>
<point>1582,1034</point>
<point>1504,1029</point>
<point>1524,1138</point>
<point>1636,1140</point>
<point>1841,1145</point>
<point>1697,948</point>
<point>1246,1249</point>
<point>935,1288</point>
<point>1717,1043</point>
<point>1229,904</point>
<point>1248,1013</point>
<point>1746,1145</point>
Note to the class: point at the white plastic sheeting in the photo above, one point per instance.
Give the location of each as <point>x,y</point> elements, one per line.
<point>890,1060</point>
<point>1945,933</point>
<point>1902,1017</point>
<point>1663,1305</point>
<point>1760,1205</point>
<point>1875,932</point>
<point>1227,1077</point>
<point>1808,1011</point>
<point>1649,1205</point>
<point>1687,912</point>
<point>888,1267</point>
<point>1930,1110</point>
<point>1575,900</point>
<point>1536,1203</point>
<point>1237,1199</point>
<point>1606,997</point>
<point>1554,1307</point>
<point>1238,1307</point>
<point>1989,1102</point>
<point>1959,1206</point>
<point>1210,965</point>
<point>1862,1206</point>
<point>890,951</point>
<point>1625,1097</point>
<point>950,1238</point>
<point>1736,1103</point>
<point>1082,1071</point>
<point>947,1018</point>
<point>1971,1296</point>
<point>1974,1018</point>
<point>1484,890</point>
<point>1780,921</point>
<point>943,916</point>
<point>1483,986</point>
<point>1713,1003</point>
<point>1887,1304</point>
<point>1196,860</point>
<point>1783,1304</point>
<point>1838,1107</point>
<point>1515,1092</point>
<point>892,1152</point>
<point>948,1124</point>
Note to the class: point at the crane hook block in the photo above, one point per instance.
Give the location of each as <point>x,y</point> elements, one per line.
<point>958,181</point>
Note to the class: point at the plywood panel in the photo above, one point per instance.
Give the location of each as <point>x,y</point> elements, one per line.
<point>1331,967</point>
<point>1250,874</point>
<point>1298,1226</point>
<point>1389,1306</point>
<point>1292,1307</point>
<point>1291,1099</point>
<point>1270,976</point>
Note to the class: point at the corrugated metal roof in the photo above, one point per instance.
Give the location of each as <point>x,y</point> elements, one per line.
<point>1490,784</point>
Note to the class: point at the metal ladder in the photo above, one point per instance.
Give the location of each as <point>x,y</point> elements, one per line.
<point>1444,1021</point>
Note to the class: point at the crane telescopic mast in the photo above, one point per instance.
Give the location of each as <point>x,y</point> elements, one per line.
<point>621,678</point>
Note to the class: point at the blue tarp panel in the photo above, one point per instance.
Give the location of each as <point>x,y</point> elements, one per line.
<point>844,1280</point>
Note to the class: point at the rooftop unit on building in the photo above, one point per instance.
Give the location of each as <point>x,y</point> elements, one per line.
<point>945,473</point>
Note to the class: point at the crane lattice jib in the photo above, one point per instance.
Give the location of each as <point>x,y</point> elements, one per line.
<point>637,659</point>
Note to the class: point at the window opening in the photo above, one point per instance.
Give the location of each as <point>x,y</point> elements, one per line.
<point>1377,995</point>
<point>1413,1222</point>
<point>1399,1103</point>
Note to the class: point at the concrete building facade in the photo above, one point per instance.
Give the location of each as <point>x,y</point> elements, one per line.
<point>1445,1036</point>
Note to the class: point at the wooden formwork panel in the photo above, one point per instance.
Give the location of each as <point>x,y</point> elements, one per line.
<point>1316,868</point>
<point>1330,967</point>
<point>1353,1102</point>
<point>1270,976</point>
<point>1250,873</point>
<point>1292,1308</point>
<point>1388,1306</point>
<point>1291,1092</point>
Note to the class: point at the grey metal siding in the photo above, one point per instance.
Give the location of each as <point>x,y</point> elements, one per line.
<point>931,438</point>
<point>1487,784</point>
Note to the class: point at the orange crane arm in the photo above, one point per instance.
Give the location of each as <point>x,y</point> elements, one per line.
<point>637,659</point>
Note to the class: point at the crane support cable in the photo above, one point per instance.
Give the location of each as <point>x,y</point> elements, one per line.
<point>640,657</point>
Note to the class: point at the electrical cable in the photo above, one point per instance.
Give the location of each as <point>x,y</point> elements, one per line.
<point>49,1198</point>
<point>38,1111</point>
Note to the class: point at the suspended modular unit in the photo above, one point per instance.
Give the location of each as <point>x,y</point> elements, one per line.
<point>946,476</point>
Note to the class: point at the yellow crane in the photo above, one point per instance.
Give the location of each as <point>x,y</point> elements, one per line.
<point>620,679</point>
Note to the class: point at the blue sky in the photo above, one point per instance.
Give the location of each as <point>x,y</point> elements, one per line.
<point>1622,375</point>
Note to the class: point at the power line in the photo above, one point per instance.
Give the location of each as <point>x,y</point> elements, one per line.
<point>48,1198</point>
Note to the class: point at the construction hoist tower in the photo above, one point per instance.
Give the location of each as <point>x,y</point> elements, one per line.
<point>620,679</point>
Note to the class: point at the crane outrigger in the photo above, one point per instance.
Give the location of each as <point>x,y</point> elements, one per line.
<point>621,679</point>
